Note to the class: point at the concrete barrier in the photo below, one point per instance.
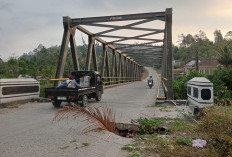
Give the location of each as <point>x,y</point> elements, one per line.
<point>12,90</point>
<point>200,93</point>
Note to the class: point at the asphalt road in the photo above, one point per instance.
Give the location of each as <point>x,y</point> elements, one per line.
<point>29,131</point>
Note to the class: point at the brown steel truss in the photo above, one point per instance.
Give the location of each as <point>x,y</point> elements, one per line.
<point>127,59</point>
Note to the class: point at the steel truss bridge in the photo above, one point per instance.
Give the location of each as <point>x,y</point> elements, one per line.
<point>127,57</point>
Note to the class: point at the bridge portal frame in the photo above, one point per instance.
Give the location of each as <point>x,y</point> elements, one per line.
<point>123,65</point>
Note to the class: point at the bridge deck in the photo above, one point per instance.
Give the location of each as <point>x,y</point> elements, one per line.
<point>131,101</point>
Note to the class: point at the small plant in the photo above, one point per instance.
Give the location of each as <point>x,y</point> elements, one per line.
<point>129,147</point>
<point>184,141</point>
<point>85,144</point>
<point>148,126</point>
<point>139,138</point>
<point>135,155</point>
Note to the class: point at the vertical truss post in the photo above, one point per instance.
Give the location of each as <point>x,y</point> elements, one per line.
<point>127,69</point>
<point>91,53</point>
<point>116,66</point>
<point>136,72</point>
<point>95,66</point>
<point>74,50</point>
<point>113,66</point>
<point>168,18</point>
<point>107,65</point>
<point>140,70</point>
<point>130,71</point>
<point>120,68</point>
<point>164,59</point>
<point>64,49</point>
<point>105,48</point>
<point>133,70</point>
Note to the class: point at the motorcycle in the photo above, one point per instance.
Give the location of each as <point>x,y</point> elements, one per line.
<point>150,84</point>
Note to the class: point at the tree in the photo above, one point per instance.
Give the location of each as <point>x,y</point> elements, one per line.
<point>228,36</point>
<point>225,55</point>
<point>218,36</point>
<point>12,67</point>
<point>189,45</point>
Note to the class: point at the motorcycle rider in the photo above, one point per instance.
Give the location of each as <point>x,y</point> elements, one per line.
<point>150,79</point>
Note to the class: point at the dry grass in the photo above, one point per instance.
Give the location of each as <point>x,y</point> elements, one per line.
<point>98,118</point>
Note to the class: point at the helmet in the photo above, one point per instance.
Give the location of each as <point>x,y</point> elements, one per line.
<point>71,77</point>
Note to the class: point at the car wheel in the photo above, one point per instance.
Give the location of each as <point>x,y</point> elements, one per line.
<point>56,104</point>
<point>84,101</point>
<point>98,95</point>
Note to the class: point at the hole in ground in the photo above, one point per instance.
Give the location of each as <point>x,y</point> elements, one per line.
<point>132,130</point>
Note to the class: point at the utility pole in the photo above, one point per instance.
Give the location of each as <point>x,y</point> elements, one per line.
<point>197,58</point>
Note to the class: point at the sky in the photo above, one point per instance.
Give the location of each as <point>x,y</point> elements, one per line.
<point>24,24</point>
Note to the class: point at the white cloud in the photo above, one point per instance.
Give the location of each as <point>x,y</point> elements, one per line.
<point>27,23</point>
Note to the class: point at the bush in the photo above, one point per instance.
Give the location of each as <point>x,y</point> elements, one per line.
<point>180,84</point>
<point>222,83</point>
<point>216,125</point>
<point>184,141</point>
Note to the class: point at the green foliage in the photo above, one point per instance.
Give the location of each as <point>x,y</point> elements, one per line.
<point>179,125</point>
<point>188,44</point>
<point>43,61</point>
<point>184,141</point>
<point>221,79</point>
<point>180,84</point>
<point>222,82</point>
<point>224,55</point>
<point>148,125</point>
<point>85,144</point>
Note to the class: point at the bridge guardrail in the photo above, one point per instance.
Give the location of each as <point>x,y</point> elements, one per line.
<point>118,80</point>
<point>111,80</point>
<point>162,79</point>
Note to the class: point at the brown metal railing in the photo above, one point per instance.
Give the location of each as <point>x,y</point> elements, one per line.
<point>118,80</point>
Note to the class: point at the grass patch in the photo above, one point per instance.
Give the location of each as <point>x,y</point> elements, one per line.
<point>148,125</point>
<point>184,141</point>
<point>214,125</point>
<point>85,144</point>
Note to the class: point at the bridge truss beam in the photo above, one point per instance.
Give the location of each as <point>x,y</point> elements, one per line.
<point>122,64</point>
